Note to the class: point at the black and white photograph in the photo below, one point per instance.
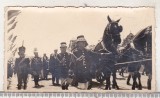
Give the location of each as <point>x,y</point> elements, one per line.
<point>79,49</point>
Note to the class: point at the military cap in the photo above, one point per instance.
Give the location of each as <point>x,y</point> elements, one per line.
<point>81,38</point>
<point>55,49</point>
<point>22,48</point>
<point>35,50</point>
<point>63,44</point>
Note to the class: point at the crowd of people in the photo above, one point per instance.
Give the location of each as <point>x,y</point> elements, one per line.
<point>68,68</point>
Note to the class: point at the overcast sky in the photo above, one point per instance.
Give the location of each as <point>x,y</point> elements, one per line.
<point>46,28</point>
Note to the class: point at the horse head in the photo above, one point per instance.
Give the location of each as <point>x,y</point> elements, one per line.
<point>111,36</point>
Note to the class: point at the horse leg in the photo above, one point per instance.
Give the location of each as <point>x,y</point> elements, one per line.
<point>106,88</point>
<point>149,81</point>
<point>143,71</point>
<point>108,83</point>
<point>122,72</point>
<point>139,80</point>
<point>128,79</point>
<point>136,76</point>
<point>114,81</point>
<point>134,81</point>
<point>89,85</point>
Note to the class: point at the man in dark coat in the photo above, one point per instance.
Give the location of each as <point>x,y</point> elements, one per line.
<point>9,68</point>
<point>133,55</point>
<point>36,66</point>
<point>54,68</point>
<point>22,67</point>
<point>84,61</point>
<point>65,61</point>
<point>45,66</point>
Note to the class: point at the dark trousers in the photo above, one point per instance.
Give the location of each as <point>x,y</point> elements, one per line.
<point>45,74</point>
<point>22,78</point>
<point>55,78</point>
<point>36,79</point>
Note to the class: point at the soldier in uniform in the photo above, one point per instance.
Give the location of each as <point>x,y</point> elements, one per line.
<point>10,68</point>
<point>132,55</point>
<point>84,60</point>
<point>36,66</point>
<point>45,66</point>
<point>54,68</point>
<point>22,66</point>
<point>65,60</point>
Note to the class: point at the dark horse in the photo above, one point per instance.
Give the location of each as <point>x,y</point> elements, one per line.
<point>143,42</point>
<point>111,39</point>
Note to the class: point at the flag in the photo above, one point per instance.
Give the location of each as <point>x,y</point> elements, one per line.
<point>12,13</point>
<point>11,21</point>
<point>12,27</point>
<point>11,47</point>
<point>10,37</point>
<point>13,40</point>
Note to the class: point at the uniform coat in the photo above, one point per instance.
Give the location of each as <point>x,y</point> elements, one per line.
<point>65,60</point>
<point>84,62</point>
<point>133,55</point>
<point>22,68</point>
<point>36,65</point>
<point>54,65</point>
<point>45,67</point>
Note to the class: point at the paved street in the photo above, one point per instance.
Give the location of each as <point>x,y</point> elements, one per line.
<point>48,87</point>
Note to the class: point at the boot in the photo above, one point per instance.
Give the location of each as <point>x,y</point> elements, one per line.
<point>36,84</point>
<point>19,87</point>
<point>106,88</point>
<point>63,87</point>
<point>25,86</point>
<point>134,84</point>
<point>113,86</point>
<point>117,86</point>
<point>149,84</point>
<point>140,85</point>
<point>128,79</point>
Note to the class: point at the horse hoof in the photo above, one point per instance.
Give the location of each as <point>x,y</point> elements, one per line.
<point>133,88</point>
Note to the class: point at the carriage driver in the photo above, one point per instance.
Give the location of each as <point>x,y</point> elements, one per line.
<point>84,60</point>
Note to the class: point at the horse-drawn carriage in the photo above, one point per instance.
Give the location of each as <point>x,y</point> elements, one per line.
<point>132,55</point>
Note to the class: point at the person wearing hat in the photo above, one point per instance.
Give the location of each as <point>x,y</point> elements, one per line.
<point>132,54</point>
<point>36,66</point>
<point>54,68</point>
<point>84,62</point>
<point>22,66</point>
<point>45,66</point>
<point>65,62</point>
